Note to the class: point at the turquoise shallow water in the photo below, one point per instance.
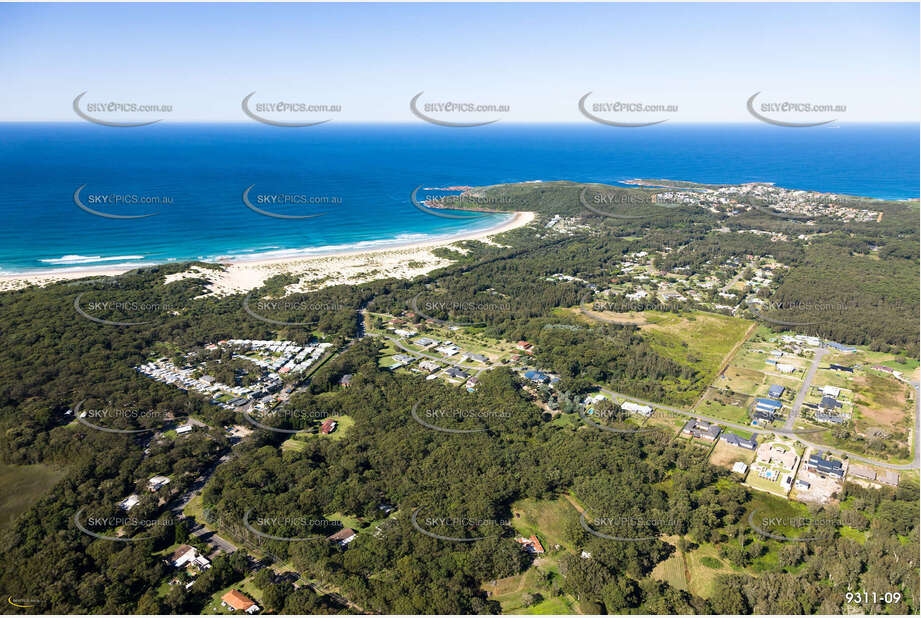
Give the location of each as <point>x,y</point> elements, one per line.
<point>362,177</point>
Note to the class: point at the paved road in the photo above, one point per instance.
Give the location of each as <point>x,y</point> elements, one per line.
<point>804,389</point>
<point>735,279</point>
<point>795,434</point>
<point>211,538</point>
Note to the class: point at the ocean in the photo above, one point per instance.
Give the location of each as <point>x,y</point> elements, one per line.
<point>359,179</point>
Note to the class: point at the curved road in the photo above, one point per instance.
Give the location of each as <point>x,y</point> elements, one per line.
<point>797,435</point>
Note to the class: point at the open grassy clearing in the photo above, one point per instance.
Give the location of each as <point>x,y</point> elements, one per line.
<point>548,519</point>
<point>21,487</point>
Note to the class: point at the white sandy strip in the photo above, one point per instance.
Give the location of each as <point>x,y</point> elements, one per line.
<point>314,272</point>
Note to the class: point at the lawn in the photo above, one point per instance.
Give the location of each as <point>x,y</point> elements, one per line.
<point>510,592</point>
<point>545,518</point>
<point>297,442</point>
<point>725,406</point>
<point>21,487</point>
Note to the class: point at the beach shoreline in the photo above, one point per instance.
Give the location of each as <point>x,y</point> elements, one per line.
<point>246,272</point>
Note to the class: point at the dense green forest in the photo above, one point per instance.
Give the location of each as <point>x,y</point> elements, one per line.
<point>54,357</point>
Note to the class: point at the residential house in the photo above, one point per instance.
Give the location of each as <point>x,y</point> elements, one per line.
<point>429,366</point>
<point>837,419</point>
<point>532,545</point>
<point>238,601</point>
<point>636,408</point>
<point>456,373</point>
<point>774,454</point>
<point>816,463</point>
<point>536,376</point>
<point>343,537</point>
<point>704,430</point>
<point>183,429</point>
<point>525,346</point>
<point>425,342</point>
<point>737,440</point>
<point>186,554</point>
<point>157,482</point>
<point>448,349</point>
<point>831,391</point>
<point>771,406</point>
<point>829,403</point>
<point>328,426</point>
<point>128,503</point>
<point>776,391</point>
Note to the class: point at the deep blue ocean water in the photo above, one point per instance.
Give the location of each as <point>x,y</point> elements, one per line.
<point>372,170</point>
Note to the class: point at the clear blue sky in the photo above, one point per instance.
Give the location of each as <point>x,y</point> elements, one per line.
<point>536,58</point>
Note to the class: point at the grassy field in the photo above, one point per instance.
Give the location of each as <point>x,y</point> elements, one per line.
<point>699,339</point>
<point>510,593</point>
<point>545,518</point>
<point>696,571</point>
<point>727,406</point>
<point>740,380</point>
<point>297,442</point>
<point>21,487</point>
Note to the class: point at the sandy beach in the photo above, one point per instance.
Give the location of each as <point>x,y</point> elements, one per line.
<point>314,271</point>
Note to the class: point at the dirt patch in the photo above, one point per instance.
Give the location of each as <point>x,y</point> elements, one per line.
<point>725,455</point>
<point>882,403</point>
